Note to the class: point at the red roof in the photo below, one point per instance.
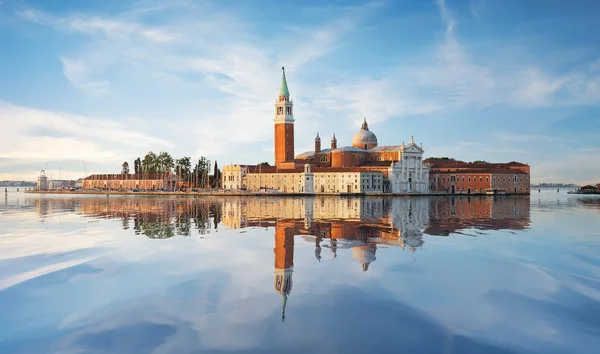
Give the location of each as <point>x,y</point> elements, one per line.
<point>457,164</point>
<point>376,163</point>
<point>471,171</point>
<point>133,176</point>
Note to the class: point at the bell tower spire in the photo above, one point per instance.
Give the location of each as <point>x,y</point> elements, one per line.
<point>284,124</point>
<point>284,91</point>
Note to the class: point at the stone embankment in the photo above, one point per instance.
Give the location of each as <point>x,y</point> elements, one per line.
<point>222,193</point>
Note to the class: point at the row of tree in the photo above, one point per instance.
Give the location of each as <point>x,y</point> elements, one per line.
<point>197,177</point>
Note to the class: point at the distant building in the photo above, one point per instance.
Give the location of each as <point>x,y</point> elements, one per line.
<point>146,181</point>
<point>42,182</point>
<point>61,184</point>
<point>457,177</point>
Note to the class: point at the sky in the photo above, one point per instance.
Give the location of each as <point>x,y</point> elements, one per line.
<point>86,85</point>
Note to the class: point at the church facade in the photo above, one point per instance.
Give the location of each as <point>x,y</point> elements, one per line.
<point>362,167</point>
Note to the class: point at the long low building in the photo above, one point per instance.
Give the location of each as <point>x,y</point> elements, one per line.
<point>141,181</point>
<point>316,180</point>
<point>457,177</point>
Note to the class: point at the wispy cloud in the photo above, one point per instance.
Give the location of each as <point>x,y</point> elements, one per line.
<point>80,137</point>
<point>78,74</point>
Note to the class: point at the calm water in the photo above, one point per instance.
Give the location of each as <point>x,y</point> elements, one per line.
<point>91,274</point>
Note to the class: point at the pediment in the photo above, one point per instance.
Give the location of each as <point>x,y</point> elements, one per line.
<point>413,148</point>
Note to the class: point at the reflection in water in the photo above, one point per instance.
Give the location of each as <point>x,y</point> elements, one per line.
<point>361,224</point>
<point>339,272</point>
<point>351,221</point>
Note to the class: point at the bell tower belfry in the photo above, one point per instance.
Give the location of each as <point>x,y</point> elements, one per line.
<point>284,124</point>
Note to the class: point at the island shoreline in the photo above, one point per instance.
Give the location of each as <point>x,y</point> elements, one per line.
<point>262,194</point>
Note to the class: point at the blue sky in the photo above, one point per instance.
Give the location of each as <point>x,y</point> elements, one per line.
<point>108,81</point>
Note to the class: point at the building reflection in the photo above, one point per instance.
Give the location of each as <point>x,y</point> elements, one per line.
<point>363,225</point>
<point>358,225</point>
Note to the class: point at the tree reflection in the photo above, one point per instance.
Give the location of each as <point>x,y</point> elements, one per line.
<point>335,222</point>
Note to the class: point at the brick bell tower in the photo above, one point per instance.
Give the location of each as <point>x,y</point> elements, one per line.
<point>284,124</point>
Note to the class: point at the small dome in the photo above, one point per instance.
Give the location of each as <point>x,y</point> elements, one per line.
<point>364,139</point>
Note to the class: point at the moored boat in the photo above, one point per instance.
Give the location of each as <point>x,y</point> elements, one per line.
<point>586,190</point>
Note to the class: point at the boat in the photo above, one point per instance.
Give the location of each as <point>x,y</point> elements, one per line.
<point>585,190</point>
<point>495,191</point>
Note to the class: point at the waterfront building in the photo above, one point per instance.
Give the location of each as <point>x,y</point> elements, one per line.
<point>61,184</point>
<point>232,176</point>
<point>479,178</point>
<point>141,181</point>
<point>43,183</point>
<point>362,167</point>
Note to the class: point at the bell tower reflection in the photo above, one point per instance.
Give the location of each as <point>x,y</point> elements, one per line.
<point>284,262</point>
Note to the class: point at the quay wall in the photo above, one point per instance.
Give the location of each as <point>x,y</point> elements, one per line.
<point>254,194</point>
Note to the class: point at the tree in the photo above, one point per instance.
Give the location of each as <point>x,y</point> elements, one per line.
<point>125,168</point>
<point>264,164</point>
<point>164,162</point>
<point>183,167</point>
<point>137,166</point>
<point>149,163</point>
<point>479,161</point>
<point>216,176</point>
<point>201,172</point>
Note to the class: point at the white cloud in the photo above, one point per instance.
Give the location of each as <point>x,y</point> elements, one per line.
<point>78,74</point>
<point>51,135</point>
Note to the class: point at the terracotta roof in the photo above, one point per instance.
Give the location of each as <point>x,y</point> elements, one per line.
<point>133,176</point>
<point>386,148</point>
<point>506,171</point>
<point>459,164</point>
<point>376,163</point>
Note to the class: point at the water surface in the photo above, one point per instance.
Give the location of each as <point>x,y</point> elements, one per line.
<point>132,274</point>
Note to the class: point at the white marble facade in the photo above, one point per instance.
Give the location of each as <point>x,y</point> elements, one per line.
<point>409,174</point>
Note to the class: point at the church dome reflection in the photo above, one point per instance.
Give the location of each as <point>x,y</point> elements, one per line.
<point>365,255</point>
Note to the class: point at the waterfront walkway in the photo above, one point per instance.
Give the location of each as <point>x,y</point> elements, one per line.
<point>236,193</point>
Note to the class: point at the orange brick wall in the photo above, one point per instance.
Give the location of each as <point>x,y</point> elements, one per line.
<point>478,182</point>
<point>284,142</point>
<point>507,183</point>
